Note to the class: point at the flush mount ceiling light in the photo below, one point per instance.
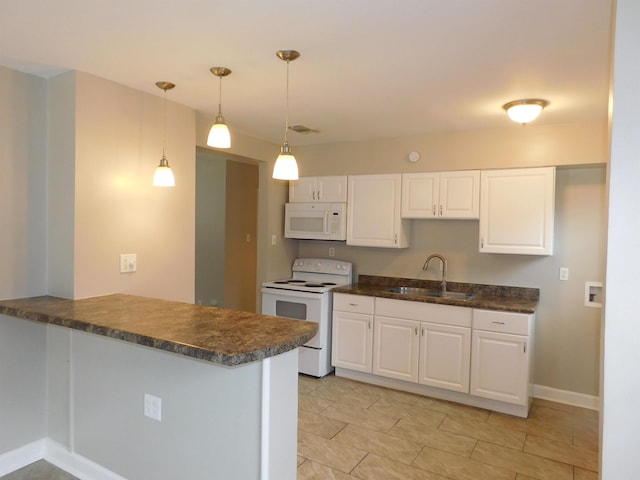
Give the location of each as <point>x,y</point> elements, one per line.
<point>163,177</point>
<point>286,167</point>
<point>219,134</point>
<point>526,110</point>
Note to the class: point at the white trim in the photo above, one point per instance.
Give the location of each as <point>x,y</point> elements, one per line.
<point>57,455</point>
<point>565,396</point>
<point>22,456</point>
<point>75,464</point>
<point>266,408</point>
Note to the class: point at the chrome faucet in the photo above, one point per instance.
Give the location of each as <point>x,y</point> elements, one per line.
<point>443,282</point>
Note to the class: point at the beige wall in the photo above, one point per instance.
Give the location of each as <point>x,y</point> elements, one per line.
<point>516,146</point>
<point>567,332</point>
<point>23,175</point>
<point>118,141</point>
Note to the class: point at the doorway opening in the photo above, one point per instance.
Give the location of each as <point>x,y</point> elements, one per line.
<point>226,230</point>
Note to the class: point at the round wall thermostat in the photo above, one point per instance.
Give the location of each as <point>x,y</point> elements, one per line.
<point>414,156</point>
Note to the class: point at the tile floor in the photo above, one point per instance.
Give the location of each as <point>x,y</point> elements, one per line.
<point>39,470</point>
<point>351,430</point>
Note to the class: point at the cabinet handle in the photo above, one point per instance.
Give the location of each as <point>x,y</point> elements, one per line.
<point>497,323</point>
<point>440,210</point>
<point>369,322</point>
<point>318,195</point>
<point>525,348</point>
<point>434,209</point>
<point>395,238</point>
<point>314,195</point>
<point>353,304</point>
<point>423,331</point>
<point>481,242</point>
<point>416,330</point>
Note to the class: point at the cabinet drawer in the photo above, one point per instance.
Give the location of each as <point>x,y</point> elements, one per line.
<point>503,322</point>
<point>352,303</point>
<point>424,312</point>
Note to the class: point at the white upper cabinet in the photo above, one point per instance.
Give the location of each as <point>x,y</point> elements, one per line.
<point>318,189</point>
<point>373,218</point>
<point>441,195</point>
<point>517,211</point>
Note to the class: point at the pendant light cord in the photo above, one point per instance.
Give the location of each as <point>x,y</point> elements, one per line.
<point>164,131</point>
<point>220,98</point>
<point>286,112</point>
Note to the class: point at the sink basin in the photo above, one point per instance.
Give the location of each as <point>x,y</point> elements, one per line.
<point>431,293</point>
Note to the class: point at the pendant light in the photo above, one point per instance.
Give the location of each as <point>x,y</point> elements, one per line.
<point>286,167</point>
<point>526,110</point>
<point>219,134</point>
<point>163,177</point>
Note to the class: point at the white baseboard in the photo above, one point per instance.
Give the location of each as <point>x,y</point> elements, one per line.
<point>57,455</point>
<point>22,456</point>
<point>564,396</point>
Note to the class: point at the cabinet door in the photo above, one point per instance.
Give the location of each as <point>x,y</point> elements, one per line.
<point>373,218</point>
<point>352,339</point>
<point>459,194</point>
<point>445,356</point>
<point>420,195</point>
<point>517,210</point>
<point>500,367</point>
<point>395,351</point>
<point>331,189</point>
<point>302,190</point>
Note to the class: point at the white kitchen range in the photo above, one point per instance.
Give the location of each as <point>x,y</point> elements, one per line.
<point>307,296</point>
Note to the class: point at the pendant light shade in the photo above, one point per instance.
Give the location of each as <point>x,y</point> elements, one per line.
<point>219,136</point>
<point>163,176</point>
<point>286,167</point>
<point>525,111</point>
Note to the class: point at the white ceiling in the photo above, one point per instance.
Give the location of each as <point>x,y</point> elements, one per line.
<point>368,68</point>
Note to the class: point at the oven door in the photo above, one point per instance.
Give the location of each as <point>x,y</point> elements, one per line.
<point>309,306</point>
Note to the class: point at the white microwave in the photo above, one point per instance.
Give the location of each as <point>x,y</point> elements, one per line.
<point>315,221</point>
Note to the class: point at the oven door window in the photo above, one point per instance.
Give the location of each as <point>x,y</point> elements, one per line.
<point>289,309</point>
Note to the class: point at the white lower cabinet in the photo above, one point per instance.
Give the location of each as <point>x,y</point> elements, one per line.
<point>423,343</point>
<point>472,356</point>
<point>396,344</point>
<point>502,356</point>
<point>445,353</point>
<point>352,335</point>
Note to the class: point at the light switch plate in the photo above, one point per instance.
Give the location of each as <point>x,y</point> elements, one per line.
<point>564,273</point>
<point>128,262</point>
<point>153,407</point>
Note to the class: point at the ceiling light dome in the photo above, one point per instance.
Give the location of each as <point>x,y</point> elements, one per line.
<point>526,110</point>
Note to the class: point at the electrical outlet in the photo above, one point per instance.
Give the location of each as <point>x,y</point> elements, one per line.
<point>332,252</point>
<point>564,273</point>
<point>128,262</point>
<point>273,239</point>
<point>153,407</point>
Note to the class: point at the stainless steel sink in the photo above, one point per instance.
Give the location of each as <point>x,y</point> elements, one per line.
<point>431,293</point>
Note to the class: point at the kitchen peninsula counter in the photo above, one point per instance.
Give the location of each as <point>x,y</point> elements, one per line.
<point>128,388</point>
<point>218,335</point>
<point>488,297</point>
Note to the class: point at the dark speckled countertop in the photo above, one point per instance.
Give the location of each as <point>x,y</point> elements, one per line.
<point>488,297</point>
<point>217,335</point>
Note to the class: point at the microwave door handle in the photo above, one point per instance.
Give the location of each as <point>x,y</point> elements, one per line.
<point>326,222</point>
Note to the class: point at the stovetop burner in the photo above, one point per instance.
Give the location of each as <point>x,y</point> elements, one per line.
<point>314,275</point>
